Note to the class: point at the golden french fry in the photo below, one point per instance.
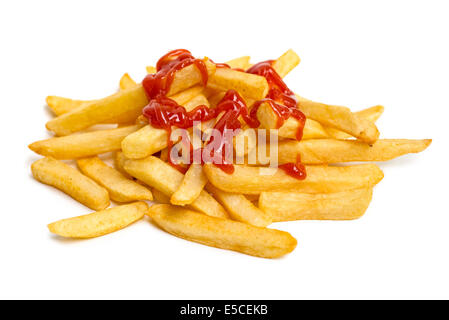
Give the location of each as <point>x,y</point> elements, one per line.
<point>185,96</point>
<point>286,63</point>
<point>162,176</point>
<point>83,145</point>
<point>120,188</point>
<point>340,118</point>
<point>151,69</point>
<point>372,114</point>
<point>144,142</point>
<point>119,163</point>
<point>248,85</point>
<point>191,186</point>
<point>244,142</point>
<point>70,181</point>
<point>126,82</point>
<point>149,140</point>
<point>99,223</point>
<point>320,179</point>
<point>240,208</point>
<point>196,101</point>
<point>221,233</point>
<point>126,105</point>
<point>289,206</point>
<point>323,151</point>
<point>239,63</point>
<point>60,105</point>
<point>269,120</point>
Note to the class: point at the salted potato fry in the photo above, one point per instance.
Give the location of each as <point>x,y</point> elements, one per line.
<point>126,82</point>
<point>240,208</point>
<point>289,206</point>
<point>60,105</point>
<point>340,118</point>
<point>185,96</point>
<point>269,120</point>
<point>239,63</point>
<point>120,188</point>
<point>221,233</point>
<point>119,164</point>
<point>70,181</point>
<point>372,114</point>
<point>191,186</point>
<point>244,142</point>
<point>248,85</point>
<point>151,69</point>
<point>196,101</point>
<point>286,63</point>
<point>160,175</point>
<point>83,145</point>
<point>99,223</point>
<point>144,142</point>
<point>320,179</point>
<point>150,140</point>
<point>322,151</point>
<point>126,104</point>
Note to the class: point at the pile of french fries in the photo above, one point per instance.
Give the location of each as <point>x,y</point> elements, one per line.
<point>207,205</point>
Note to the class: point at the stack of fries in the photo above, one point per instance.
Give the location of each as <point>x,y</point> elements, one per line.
<point>202,202</point>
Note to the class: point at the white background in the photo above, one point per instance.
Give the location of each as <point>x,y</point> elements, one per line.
<point>354,53</point>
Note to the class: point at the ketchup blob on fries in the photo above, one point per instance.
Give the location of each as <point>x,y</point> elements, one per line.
<point>163,112</point>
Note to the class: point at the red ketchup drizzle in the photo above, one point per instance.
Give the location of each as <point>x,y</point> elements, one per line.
<point>283,102</point>
<point>163,112</point>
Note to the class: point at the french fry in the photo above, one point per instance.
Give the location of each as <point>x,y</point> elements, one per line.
<point>340,118</point>
<point>191,186</point>
<point>149,140</point>
<point>60,105</point>
<point>119,164</point>
<point>160,175</point>
<point>372,114</point>
<point>239,63</point>
<point>240,208</point>
<point>99,223</point>
<point>320,179</point>
<point>248,85</point>
<point>151,69</point>
<point>245,142</point>
<point>120,188</point>
<point>70,181</point>
<point>289,206</point>
<point>269,120</point>
<point>286,63</point>
<point>144,142</point>
<point>196,101</point>
<point>323,151</point>
<point>185,96</point>
<point>126,82</point>
<point>83,145</point>
<point>126,105</point>
<point>221,233</point>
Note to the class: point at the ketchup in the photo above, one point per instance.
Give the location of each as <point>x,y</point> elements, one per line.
<point>163,112</point>
<point>283,102</point>
<point>159,83</point>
